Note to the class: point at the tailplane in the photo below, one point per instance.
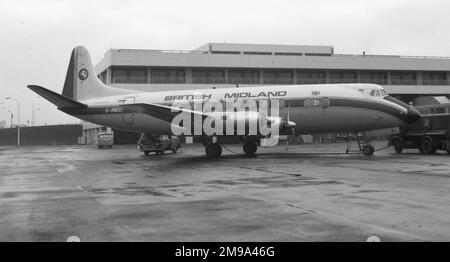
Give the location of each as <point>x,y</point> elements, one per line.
<point>58,100</point>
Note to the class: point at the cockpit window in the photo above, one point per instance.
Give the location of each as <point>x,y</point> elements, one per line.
<point>378,92</point>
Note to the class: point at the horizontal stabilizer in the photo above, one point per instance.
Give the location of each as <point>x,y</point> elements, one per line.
<point>55,98</point>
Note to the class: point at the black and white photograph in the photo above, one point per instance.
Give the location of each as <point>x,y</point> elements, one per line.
<point>244,122</point>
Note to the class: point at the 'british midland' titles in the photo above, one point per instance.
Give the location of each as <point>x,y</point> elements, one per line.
<point>233,95</point>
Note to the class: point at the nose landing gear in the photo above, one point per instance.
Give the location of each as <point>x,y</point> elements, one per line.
<point>364,146</point>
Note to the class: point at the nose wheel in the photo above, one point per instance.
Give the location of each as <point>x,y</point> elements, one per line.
<point>363,146</point>
<point>368,150</point>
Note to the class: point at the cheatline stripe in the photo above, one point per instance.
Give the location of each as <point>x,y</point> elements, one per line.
<point>334,102</point>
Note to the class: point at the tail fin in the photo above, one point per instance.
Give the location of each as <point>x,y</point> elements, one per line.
<point>81,80</point>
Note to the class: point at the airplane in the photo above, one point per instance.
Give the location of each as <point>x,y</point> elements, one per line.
<point>303,109</point>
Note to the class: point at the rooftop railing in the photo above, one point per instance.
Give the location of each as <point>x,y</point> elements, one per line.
<point>392,56</point>
<point>321,55</point>
<point>160,51</point>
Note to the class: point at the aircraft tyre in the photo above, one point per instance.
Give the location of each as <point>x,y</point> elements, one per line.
<point>427,147</point>
<point>398,146</point>
<point>368,150</point>
<point>213,150</point>
<point>250,148</point>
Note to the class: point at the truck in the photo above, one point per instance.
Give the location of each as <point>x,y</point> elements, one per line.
<point>159,144</point>
<point>105,140</point>
<point>429,134</point>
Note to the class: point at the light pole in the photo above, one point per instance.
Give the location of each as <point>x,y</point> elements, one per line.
<point>18,118</point>
<point>33,116</point>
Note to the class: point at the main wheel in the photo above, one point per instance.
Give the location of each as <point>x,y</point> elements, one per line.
<point>213,151</point>
<point>146,153</point>
<point>368,150</point>
<point>250,148</point>
<point>398,146</point>
<point>427,147</point>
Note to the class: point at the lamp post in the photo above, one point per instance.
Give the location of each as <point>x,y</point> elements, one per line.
<point>18,118</point>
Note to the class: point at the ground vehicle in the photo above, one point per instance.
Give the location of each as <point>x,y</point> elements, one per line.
<point>105,140</point>
<point>158,144</point>
<point>430,133</point>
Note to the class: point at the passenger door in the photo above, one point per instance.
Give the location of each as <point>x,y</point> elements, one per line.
<point>127,114</point>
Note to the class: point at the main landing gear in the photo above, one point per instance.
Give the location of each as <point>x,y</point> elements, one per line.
<point>250,149</point>
<point>250,145</point>
<point>364,146</point>
<point>212,147</point>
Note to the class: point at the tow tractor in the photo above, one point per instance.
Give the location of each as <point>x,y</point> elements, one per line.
<point>429,134</point>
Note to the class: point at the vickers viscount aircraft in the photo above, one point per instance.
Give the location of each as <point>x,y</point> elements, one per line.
<point>303,109</point>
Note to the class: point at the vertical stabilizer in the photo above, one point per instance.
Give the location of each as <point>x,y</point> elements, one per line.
<point>81,80</point>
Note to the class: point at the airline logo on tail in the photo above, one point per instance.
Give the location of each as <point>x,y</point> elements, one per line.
<point>83,74</point>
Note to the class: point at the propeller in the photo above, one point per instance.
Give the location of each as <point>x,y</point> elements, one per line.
<point>290,125</point>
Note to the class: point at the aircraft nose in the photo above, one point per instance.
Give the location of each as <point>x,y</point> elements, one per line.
<point>412,115</point>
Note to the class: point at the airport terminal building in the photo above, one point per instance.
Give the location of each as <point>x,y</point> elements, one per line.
<point>218,65</point>
<point>226,65</point>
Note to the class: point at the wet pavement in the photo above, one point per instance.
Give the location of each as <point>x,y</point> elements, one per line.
<point>308,193</point>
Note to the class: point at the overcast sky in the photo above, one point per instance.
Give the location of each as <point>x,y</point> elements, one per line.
<point>37,36</point>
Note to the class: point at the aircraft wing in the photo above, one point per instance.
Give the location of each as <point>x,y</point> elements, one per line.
<point>166,113</point>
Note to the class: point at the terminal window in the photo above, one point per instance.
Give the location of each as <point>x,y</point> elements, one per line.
<point>257,53</point>
<point>129,76</point>
<point>282,77</point>
<point>243,76</point>
<point>374,77</point>
<point>208,76</point>
<point>167,76</point>
<point>311,77</point>
<point>434,78</point>
<point>403,78</point>
<point>343,77</point>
